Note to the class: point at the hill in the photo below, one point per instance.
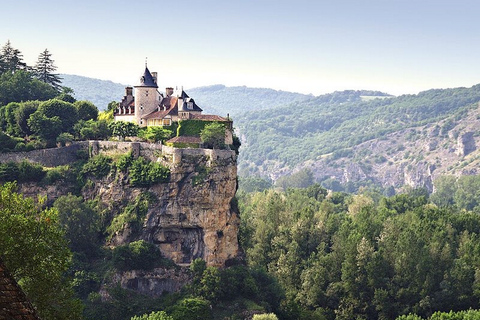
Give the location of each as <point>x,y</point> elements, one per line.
<point>356,141</point>
<point>100,92</point>
<point>215,99</point>
<point>219,99</point>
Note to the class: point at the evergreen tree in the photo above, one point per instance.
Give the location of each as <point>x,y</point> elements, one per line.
<point>44,69</point>
<point>11,59</point>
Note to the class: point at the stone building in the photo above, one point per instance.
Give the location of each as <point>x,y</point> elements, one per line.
<point>145,105</point>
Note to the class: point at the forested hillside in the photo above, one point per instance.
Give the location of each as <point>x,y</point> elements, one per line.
<point>99,92</point>
<point>219,99</point>
<point>312,133</point>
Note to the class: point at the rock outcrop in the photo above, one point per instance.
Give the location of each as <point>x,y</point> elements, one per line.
<point>194,214</point>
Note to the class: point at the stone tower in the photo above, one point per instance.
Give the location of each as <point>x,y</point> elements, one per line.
<point>146,96</point>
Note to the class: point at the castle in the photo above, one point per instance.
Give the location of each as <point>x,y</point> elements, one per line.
<point>148,107</point>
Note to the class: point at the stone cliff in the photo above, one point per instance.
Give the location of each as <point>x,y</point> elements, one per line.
<point>192,216</point>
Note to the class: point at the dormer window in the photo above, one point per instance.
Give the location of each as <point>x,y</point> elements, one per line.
<point>190,105</point>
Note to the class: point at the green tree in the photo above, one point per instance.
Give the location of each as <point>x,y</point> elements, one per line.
<point>45,127</point>
<point>265,316</point>
<point>44,70</point>
<point>23,114</point>
<point>159,315</point>
<point>80,222</point>
<point>155,134</point>
<point>192,309</point>
<point>123,129</point>
<point>86,110</point>
<point>91,130</point>
<point>22,86</point>
<point>213,135</point>
<point>35,251</point>
<point>11,59</point>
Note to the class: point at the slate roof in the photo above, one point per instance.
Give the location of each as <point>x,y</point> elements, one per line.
<point>148,80</point>
<point>14,304</point>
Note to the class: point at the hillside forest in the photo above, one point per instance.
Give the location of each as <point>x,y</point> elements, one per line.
<point>308,252</point>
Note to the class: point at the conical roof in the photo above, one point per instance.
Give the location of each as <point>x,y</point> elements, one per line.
<point>147,80</point>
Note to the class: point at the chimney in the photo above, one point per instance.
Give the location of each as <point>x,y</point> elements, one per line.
<point>128,91</point>
<point>154,76</point>
<point>169,91</point>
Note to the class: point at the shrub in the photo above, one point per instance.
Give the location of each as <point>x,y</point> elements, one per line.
<point>30,172</point>
<point>159,315</point>
<point>144,173</point>
<point>98,166</point>
<point>9,171</point>
<point>192,309</point>
<point>132,215</point>
<point>125,161</point>
<point>136,255</point>
<point>265,316</point>
<point>64,138</point>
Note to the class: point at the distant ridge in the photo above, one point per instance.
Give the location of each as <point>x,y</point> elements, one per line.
<point>215,99</point>
<point>100,92</point>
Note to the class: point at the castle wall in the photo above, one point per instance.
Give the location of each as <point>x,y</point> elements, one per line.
<point>61,156</point>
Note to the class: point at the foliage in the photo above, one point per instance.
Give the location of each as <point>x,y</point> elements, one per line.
<point>155,134</point>
<point>80,222</point>
<point>319,126</point>
<point>125,161</point>
<point>64,138</point>
<point>22,86</point>
<point>190,127</point>
<point>192,309</point>
<point>351,257</point>
<point>98,166</point>
<point>86,110</point>
<point>22,115</point>
<point>159,315</point>
<point>300,179</point>
<point>34,250</point>
<point>91,130</point>
<point>253,184</point>
<point>123,129</point>
<point>144,173</point>
<point>462,192</point>
<point>133,215</point>
<point>23,171</point>
<point>44,68</point>
<point>213,135</point>
<point>137,255</point>
<point>265,316</point>
<point>11,59</point>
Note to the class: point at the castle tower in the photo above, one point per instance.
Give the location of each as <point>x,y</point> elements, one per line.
<point>146,96</point>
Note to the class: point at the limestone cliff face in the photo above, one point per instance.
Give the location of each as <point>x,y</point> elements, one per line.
<point>192,215</point>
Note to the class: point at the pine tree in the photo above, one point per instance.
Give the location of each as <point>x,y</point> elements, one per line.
<point>11,59</point>
<point>44,69</point>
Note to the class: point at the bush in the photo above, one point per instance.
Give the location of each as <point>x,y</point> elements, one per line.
<point>98,166</point>
<point>125,161</point>
<point>30,171</point>
<point>9,171</point>
<point>192,309</point>
<point>64,138</point>
<point>136,255</point>
<point>144,173</point>
<point>160,315</point>
<point>265,316</point>
<point>132,215</point>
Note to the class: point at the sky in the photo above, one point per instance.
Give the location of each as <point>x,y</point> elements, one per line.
<point>306,46</point>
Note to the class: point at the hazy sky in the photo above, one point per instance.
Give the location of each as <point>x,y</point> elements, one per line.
<point>315,46</point>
